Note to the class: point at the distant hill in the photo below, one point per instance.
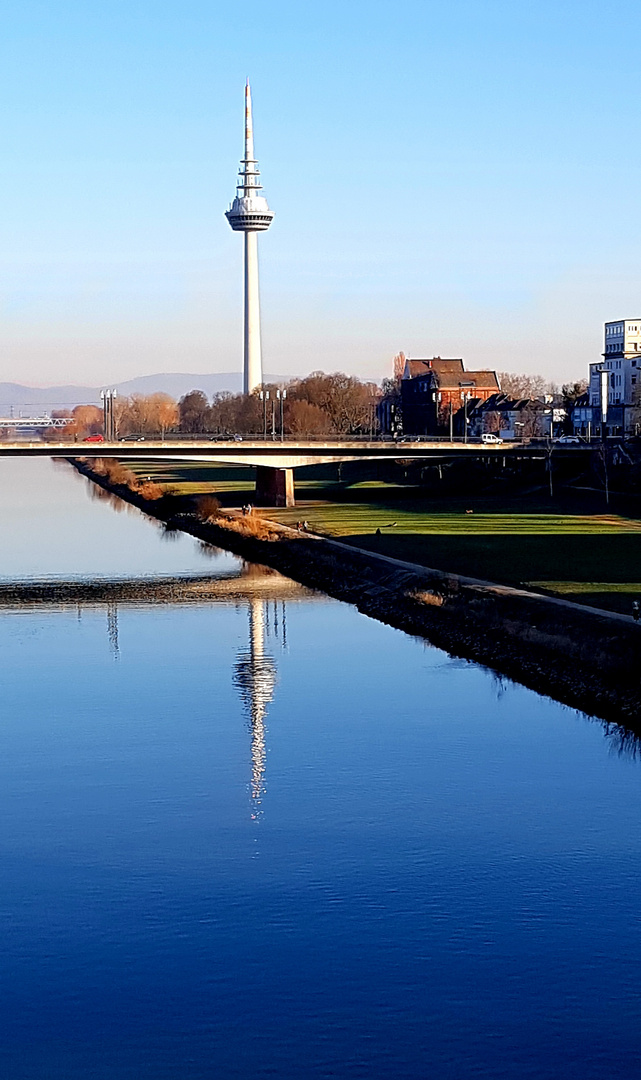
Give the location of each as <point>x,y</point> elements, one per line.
<point>13,395</point>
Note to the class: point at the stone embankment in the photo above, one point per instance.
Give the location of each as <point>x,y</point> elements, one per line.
<point>586,658</point>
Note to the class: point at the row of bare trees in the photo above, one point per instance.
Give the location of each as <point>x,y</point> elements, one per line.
<point>319,404</point>
<point>139,414</point>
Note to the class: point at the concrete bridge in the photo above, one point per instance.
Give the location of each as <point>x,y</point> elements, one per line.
<point>276,460</point>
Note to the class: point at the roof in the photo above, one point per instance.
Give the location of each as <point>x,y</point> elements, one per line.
<point>482,379</point>
<point>451,374</point>
<point>504,403</point>
<point>413,368</point>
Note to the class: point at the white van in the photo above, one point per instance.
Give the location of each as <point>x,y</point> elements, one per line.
<point>491,440</point>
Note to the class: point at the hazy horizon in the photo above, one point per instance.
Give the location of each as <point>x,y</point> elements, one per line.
<point>454,179</point>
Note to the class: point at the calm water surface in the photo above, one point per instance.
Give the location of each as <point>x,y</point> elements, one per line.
<point>273,838</point>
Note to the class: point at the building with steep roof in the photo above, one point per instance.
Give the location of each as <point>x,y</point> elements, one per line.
<point>435,391</point>
<point>513,418</point>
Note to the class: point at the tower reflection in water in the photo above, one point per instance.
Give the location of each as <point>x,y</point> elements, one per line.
<point>255,676</point>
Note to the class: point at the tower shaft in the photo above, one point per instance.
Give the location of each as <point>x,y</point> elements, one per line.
<point>253,361</point>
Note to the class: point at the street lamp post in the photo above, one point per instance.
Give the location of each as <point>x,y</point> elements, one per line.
<point>109,424</point>
<point>264,397</point>
<point>281,395</point>
<point>466,398</point>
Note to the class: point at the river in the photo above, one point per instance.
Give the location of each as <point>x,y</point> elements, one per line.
<point>265,836</point>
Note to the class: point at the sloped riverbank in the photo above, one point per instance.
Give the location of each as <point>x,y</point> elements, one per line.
<point>586,658</point>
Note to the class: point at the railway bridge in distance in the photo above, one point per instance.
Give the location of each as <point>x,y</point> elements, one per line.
<point>276,460</point>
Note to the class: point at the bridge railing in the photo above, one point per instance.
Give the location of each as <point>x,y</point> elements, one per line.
<point>399,440</point>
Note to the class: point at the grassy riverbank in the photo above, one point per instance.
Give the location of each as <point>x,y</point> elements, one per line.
<point>585,658</point>
<point>567,546</point>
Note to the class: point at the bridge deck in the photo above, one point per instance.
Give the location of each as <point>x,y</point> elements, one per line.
<point>289,454</point>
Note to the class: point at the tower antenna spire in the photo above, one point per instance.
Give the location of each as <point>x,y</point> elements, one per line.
<point>249,213</point>
<point>249,127</point>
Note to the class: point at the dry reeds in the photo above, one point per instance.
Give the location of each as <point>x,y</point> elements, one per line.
<point>207,507</point>
<point>117,473</point>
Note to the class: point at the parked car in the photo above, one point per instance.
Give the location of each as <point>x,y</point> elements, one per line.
<point>491,440</point>
<point>94,438</point>
<point>569,440</point>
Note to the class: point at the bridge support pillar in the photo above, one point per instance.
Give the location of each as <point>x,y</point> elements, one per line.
<point>274,487</point>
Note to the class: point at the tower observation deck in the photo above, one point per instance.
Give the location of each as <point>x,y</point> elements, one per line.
<point>249,213</point>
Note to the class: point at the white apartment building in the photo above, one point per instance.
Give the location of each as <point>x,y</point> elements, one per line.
<point>622,359</point>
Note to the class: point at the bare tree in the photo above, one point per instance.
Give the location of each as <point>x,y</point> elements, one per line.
<point>347,401</point>
<point>303,418</point>
<point>242,413</point>
<point>195,413</point>
<point>85,420</point>
<point>495,422</point>
<point>150,415</point>
<point>399,366</point>
<point>531,417</point>
<point>517,385</point>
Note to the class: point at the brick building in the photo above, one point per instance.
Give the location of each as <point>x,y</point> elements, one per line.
<point>433,389</point>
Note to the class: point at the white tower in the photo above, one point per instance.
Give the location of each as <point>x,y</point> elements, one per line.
<point>249,213</point>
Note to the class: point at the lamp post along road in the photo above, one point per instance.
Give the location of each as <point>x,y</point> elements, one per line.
<point>109,419</point>
<point>466,398</point>
<point>264,397</point>
<point>281,395</point>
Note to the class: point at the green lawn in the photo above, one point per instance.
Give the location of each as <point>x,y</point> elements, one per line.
<point>593,559</point>
<point>568,547</point>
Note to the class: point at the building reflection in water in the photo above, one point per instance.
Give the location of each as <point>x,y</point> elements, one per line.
<point>255,676</point>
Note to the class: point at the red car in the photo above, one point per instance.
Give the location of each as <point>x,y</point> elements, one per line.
<point>94,438</point>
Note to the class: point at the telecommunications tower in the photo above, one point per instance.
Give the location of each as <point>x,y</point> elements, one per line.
<point>250,214</point>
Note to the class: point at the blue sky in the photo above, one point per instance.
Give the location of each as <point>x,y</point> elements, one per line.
<point>453,178</point>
